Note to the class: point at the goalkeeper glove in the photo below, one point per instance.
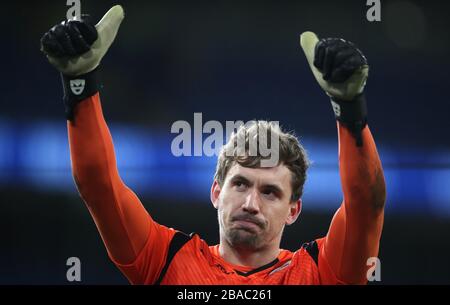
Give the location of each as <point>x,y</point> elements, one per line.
<point>341,70</point>
<point>75,48</point>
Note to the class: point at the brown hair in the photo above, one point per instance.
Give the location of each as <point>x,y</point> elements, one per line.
<point>291,153</point>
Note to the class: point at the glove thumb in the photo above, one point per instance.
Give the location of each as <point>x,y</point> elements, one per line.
<point>107,29</point>
<point>308,41</point>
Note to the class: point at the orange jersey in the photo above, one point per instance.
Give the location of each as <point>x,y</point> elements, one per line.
<point>150,253</point>
<point>187,259</point>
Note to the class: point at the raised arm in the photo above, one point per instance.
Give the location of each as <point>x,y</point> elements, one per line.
<point>136,243</point>
<point>354,235</point>
<point>119,215</point>
<point>355,230</point>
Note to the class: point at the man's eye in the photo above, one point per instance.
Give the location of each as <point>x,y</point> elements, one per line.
<point>240,186</point>
<point>270,194</point>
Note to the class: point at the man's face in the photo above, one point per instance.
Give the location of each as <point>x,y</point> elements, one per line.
<point>254,205</point>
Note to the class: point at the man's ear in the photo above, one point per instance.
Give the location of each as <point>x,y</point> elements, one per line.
<point>215,192</point>
<point>295,209</point>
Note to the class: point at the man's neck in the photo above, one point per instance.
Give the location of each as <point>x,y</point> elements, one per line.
<point>248,258</point>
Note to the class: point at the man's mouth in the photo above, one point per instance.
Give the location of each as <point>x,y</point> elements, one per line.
<point>248,224</point>
<point>245,224</point>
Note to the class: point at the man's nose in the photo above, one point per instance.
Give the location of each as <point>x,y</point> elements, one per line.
<point>252,203</point>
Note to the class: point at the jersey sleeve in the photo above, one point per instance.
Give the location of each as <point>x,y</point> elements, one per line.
<point>124,225</point>
<point>356,227</point>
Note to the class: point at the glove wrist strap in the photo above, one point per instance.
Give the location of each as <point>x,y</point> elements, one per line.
<point>77,89</point>
<point>353,114</point>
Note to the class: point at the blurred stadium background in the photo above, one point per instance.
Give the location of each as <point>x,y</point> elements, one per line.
<point>229,60</point>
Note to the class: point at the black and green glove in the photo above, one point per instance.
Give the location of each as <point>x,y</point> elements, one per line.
<point>341,70</point>
<point>75,48</point>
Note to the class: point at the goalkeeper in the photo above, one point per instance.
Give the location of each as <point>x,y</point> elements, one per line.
<point>253,203</point>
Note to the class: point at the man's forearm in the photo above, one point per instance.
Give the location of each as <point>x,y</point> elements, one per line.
<point>91,148</point>
<point>118,213</point>
<point>355,230</point>
<point>361,172</point>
